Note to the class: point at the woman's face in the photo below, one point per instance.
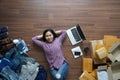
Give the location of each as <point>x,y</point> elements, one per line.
<point>49,36</point>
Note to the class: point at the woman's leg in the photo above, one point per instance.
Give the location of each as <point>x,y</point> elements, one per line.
<point>53,73</point>
<point>61,73</point>
<point>63,70</point>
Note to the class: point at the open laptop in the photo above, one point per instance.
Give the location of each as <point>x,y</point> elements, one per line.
<point>75,34</point>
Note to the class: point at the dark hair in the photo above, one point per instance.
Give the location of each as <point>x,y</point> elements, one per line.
<point>50,30</point>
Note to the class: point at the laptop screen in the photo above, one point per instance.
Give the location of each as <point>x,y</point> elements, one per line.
<point>80,32</point>
<point>76,34</point>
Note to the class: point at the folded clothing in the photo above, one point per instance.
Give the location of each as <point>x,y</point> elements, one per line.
<point>3,29</point>
<point>5,48</point>
<point>5,41</point>
<point>3,35</point>
<point>5,62</point>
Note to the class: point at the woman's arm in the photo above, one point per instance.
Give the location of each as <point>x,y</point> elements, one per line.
<point>58,32</point>
<point>40,36</point>
<point>62,34</point>
<point>36,40</point>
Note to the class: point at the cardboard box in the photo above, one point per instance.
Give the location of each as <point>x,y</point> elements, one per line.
<point>115,52</point>
<point>109,40</point>
<point>101,53</point>
<point>98,61</point>
<point>87,64</point>
<point>94,44</point>
<point>86,76</point>
<point>102,73</point>
<point>94,74</point>
<point>114,71</point>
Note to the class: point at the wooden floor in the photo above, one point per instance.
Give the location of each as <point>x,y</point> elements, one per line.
<point>27,18</point>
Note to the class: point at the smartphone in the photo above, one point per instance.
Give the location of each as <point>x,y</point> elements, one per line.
<point>77,53</point>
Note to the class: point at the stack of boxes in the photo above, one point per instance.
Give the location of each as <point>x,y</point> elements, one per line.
<point>106,58</point>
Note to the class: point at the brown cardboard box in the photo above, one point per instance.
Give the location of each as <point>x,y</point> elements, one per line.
<point>94,74</point>
<point>115,52</point>
<point>94,44</point>
<point>87,64</point>
<point>114,71</point>
<point>86,76</point>
<point>101,53</point>
<point>109,40</point>
<point>98,61</point>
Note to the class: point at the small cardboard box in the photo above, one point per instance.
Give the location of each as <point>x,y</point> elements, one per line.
<point>101,53</point>
<point>115,52</point>
<point>94,44</point>
<point>102,73</point>
<point>86,76</point>
<point>87,64</point>
<point>94,74</point>
<point>114,71</point>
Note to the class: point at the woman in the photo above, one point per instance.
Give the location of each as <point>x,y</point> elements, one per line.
<point>51,42</point>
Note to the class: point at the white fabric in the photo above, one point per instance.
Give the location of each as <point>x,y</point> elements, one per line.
<point>29,71</point>
<point>102,75</point>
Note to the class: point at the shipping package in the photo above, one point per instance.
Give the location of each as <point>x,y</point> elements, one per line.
<point>115,52</point>
<point>86,76</point>
<point>114,71</point>
<point>101,53</point>
<point>94,74</point>
<point>102,72</point>
<point>87,64</point>
<point>95,44</point>
<point>109,40</point>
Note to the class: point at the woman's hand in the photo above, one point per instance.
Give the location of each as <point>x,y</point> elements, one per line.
<point>40,36</point>
<point>58,32</point>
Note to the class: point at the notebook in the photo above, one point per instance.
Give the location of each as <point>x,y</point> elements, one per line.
<point>75,34</point>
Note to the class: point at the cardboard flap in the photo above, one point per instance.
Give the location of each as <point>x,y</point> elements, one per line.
<point>109,73</point>
<point>114,46</point>
<point>101,68</point>
<point>111,57</point>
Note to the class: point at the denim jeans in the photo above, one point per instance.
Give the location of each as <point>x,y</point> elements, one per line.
<point>63,71</point>
<point>17,59</point>
<point>5,62</point>
<point>3,29</point>
<point>3,35</point>
<point>42,74</point>
<point>8,74</point>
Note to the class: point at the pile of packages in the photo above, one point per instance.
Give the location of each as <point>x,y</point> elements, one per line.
<point>105,61</point>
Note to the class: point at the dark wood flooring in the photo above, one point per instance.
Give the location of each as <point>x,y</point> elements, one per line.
<point>27,18</point>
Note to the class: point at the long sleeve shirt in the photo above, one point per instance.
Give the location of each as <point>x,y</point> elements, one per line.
<point>53,51</point>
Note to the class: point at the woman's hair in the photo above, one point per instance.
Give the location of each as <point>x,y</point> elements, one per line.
<point>50,30</point>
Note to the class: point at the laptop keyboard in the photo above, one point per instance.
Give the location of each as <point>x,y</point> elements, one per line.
<point>75,34</point>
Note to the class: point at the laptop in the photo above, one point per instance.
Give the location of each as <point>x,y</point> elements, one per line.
<point>75,34</point>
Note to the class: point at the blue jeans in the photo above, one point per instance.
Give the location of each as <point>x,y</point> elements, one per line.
<point>8,74</point>
<point>3,29</point>
<point>17,59</point>
<point>63,71</point>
